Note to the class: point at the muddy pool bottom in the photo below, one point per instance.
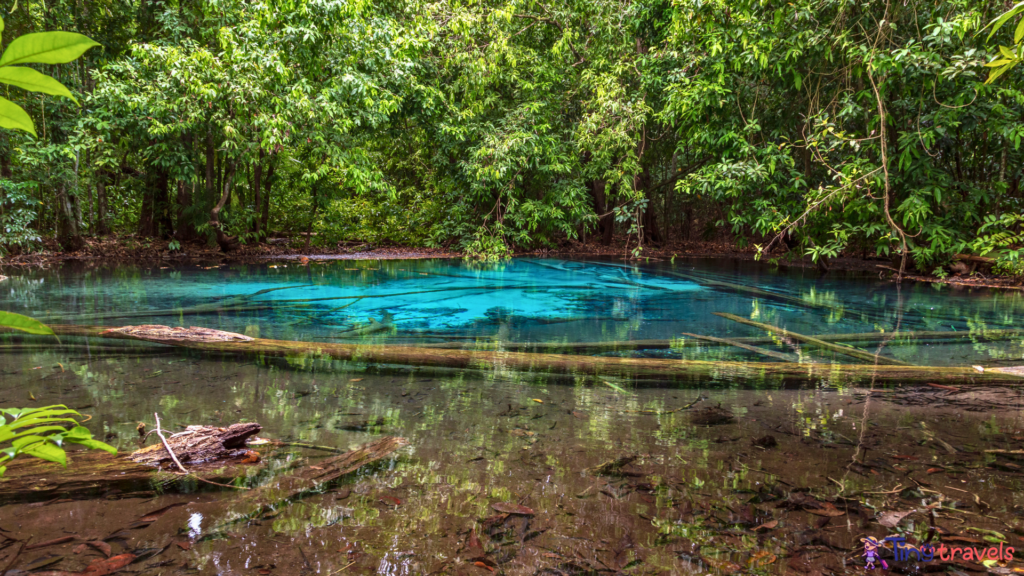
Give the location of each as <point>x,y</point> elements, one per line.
<point>514,474</point>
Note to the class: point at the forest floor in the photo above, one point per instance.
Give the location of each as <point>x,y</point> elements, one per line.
<point>129,249</point>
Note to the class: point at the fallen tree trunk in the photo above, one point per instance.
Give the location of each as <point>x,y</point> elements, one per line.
<point>892,338</point>
<point>838,348</point>
<point>690,370</point>
<point>94,473</point>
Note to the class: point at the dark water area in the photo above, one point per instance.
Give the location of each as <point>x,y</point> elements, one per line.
<point>719,476</point>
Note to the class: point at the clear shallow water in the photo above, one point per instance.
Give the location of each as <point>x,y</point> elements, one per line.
<point>531,301</point>
<point>696,499</point>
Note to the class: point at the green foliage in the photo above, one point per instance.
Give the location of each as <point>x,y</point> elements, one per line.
<point>42,433</point>
<point>38,48</point>
<point>1009,56</point>
<point>498,125</point>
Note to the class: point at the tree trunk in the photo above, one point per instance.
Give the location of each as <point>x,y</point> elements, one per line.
<point>102,226</point>
<point>648,220</point>
<point>186,230</point>
<point>68,235</point>
<point>267,182</point>
<point>226,243</point>
<point>257,181</point>
<point>91,473</point>
<point>651,368</point>
<point>155,218</point>
<point>605,220</point>
<point>147,224</point>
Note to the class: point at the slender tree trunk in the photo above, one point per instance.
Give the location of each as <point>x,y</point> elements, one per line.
<point>147,225</point>
<point>267,182</point>
<point>186,230</point>
<point>226,243</point>
<point>605,220</point>
<point>162,204</point>
<point>102,227</point>
<point>257,181</point>
<point>69,236</point>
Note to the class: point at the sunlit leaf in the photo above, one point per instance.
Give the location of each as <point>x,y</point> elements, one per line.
<point>33,81</point>
<point>14,117</point>
<point>46,48</point>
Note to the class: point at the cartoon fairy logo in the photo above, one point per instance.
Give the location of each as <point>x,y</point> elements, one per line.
<point>871,546</point>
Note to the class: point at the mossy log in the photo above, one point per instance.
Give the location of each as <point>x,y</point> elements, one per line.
<point>892,338</point>
<point>839,348</point>
<point>93,473</point>
<point>683,370</point>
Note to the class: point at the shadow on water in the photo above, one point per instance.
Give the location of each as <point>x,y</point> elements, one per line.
<point>515,472</point>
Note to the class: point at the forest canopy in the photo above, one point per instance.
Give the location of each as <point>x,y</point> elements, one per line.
<point>820,127</point>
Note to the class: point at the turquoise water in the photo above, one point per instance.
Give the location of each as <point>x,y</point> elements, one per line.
<point>532,301</point>
<point>699,496</point>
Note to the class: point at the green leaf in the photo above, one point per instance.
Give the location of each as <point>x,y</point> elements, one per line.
<point>33,81</point>
<point>46,48</point>
<point>47,451</point>
<point>12,116</point>
<point>998,22</point>
<point>10,319</point>
<point>1019,34</point>
<point>93,444</point>
<point>7,433</point>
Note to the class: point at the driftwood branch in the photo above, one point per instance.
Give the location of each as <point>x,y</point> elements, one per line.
<point>166,445</point>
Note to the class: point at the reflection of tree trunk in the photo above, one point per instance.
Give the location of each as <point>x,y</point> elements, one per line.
<point>226,243</point>
<point>257,181</point>
<point>102,227</point>
<point>68,235</point>
<point>605,220</point>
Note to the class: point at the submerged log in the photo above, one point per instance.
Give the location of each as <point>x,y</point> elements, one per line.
<point>311,478</point>
<point>571,364</point>
<point>731,342</point>
<point>93,473</point>
<point>838,348</point>
<point>892,338</point>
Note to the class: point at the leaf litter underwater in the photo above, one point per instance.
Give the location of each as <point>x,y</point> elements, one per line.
<point>517,473</point>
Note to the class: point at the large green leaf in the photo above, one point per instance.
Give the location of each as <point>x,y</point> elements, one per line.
<point>12,116</point>
<point>10,319</point>
<point>46,48</point>
<point>48,451</point>
<point>7,433</point>
<point>33,81</point>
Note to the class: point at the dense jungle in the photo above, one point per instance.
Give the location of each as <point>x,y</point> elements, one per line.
<point>814,128</point>
<point>511,287</point>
